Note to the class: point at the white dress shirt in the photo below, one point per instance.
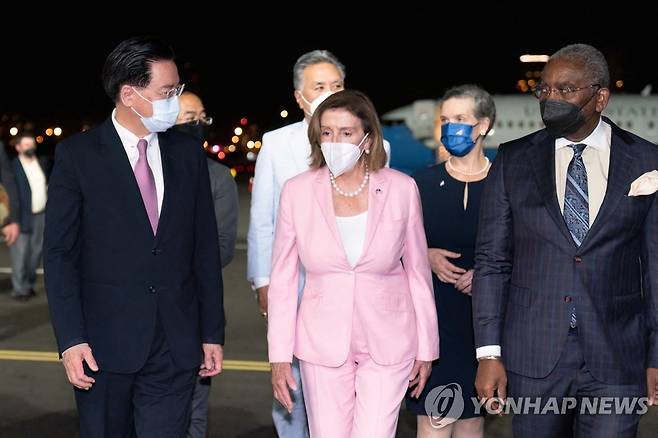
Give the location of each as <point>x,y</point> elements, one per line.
<point>596,157</point>
<point>352,231</point>
<point>129,141</point>
<point>37,181</point>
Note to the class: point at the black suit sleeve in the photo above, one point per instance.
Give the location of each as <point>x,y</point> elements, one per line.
<point>62,251</point>
<point>225,199</point>
<point>649,262</point>
<point>9,182</point>
<point>206,260</point>
<point>493,257</point>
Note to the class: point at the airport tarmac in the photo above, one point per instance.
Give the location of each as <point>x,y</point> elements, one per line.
<point>37,401</point>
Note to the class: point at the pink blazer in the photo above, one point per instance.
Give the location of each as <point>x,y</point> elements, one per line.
<point>390,287</point>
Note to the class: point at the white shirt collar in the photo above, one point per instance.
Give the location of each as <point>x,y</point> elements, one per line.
<point>128,139</point>
<point>598,139</point>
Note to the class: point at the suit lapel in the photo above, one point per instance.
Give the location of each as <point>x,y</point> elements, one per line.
<point>619,175</point>
<point>324,198</point>
<point>123,177</point>
<point>169,176</point>
<point>378,190</point>
<point>542,158</point>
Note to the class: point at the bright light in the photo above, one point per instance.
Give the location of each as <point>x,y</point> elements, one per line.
<point>250,144</point>
<point>215,149</point>
<point>13,131</point>
<point>235,139</point>
<point>251,156</point>
<point>57,131</point>
<point>49,132</point>
<point>243,121</point>
<point>258,144</point>
<point>619,83</point>
<point>238,131</point>
<point>234,172</point>
<point>205,144</point>
<point>284,114</point>
<point>231,148</point>
<point>534,58</point>
<point>221,155</point>
<point>39,139</point>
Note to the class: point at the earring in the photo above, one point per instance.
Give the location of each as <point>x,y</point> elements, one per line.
<point>367,151</point>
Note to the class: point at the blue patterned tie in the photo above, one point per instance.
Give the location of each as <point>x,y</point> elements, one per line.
<point>576,203</point>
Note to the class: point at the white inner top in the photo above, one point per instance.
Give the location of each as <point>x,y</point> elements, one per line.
<point>352,231</point>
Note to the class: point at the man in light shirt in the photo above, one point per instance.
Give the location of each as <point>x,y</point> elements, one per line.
<point>31,180</point>
<point>565,291</point>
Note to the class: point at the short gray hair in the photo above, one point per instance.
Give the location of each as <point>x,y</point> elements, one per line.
<point>594,62</point>
<point>484,105</point>
<point>312,58</point>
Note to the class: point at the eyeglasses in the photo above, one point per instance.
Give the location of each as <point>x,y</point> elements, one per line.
<point>171,92</point>
<point>543,91</point>
<point>202,121</point>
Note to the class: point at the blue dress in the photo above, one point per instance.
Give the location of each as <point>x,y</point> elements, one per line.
<point>449,226</point>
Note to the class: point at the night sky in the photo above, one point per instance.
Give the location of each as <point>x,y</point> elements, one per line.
<point>240,59</point>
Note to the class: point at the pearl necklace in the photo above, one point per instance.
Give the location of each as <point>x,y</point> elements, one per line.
<point>486,166</point>
<point>340,191</point>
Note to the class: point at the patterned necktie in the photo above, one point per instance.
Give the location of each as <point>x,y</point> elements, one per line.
<point>146,183</point>
<point>576,203</point>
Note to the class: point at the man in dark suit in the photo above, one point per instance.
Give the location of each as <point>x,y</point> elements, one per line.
<point>31,173</point>
<point>193,120</point>
<point>565,292</point>
<point>131,255</point>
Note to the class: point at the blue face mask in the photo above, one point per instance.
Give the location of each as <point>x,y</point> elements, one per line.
<point>165,112</point>
<point>456,137</point>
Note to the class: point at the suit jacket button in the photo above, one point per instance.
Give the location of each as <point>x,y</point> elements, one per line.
<point>567,299</point>
<point>577,259</point>
<point>155,251</point>
<point>152,289</point>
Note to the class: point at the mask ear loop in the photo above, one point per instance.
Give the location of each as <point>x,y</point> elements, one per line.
<point>367,151</point>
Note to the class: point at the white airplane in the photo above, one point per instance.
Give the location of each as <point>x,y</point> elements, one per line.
<point>518,115</point>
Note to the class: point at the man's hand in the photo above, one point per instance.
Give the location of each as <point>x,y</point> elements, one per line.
<point>491,376</point>
<point>72,359</point>
<point>418,377</point>
<point>262,300</point>
<point>213,356</point>
<point>446,271</point>
<point>11,232</point>
<point>464,283</point>
<point>652,386</point>
<point>282,382</point>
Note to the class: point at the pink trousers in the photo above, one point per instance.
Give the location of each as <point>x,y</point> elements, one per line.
<point>359,399</point>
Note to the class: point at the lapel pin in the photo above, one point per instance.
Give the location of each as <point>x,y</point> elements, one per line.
<point>442,183</point>
<point>378,190</point>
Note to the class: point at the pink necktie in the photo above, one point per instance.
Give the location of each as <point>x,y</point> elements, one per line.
<point>146,183</point>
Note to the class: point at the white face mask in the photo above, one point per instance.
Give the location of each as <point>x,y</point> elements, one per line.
<point>165,112</point>
<point>341,157</point>
<point>316,102</point>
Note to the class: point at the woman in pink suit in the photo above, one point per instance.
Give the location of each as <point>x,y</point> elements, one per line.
<point>366,327</point>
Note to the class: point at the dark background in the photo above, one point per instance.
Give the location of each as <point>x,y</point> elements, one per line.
<point>239,56</point>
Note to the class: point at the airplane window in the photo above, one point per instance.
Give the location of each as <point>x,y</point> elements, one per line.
<point>499,124</point>
<point>651,124</point>
<point>629,124</point>
<point>521,124</point>
<point>510,124</point>
<point>531,123</point>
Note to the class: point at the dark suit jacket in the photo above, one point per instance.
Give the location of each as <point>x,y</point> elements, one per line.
<point>529,273</point>
<point>225,199</point>
<point>108,279</point>
<point>25,192</point>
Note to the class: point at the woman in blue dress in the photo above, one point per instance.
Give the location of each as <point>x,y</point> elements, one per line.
<point>450,194</point>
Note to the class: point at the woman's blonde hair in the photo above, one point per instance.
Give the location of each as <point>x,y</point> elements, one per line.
<point>361,107</point>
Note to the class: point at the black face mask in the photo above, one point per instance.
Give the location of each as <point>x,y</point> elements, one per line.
<point>30,153</point>
<point>196,130</point>
<point>562,118</point>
